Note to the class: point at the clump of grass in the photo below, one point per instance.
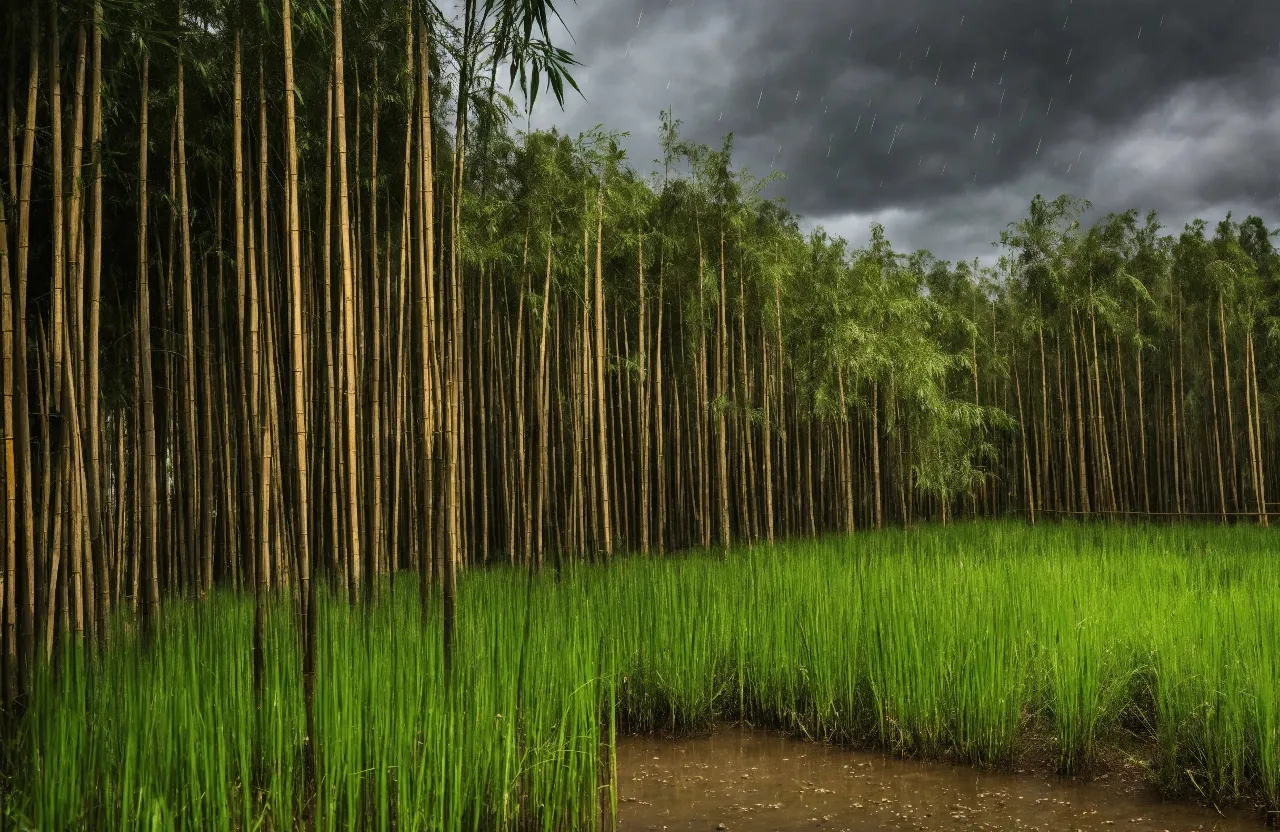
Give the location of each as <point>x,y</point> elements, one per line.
<point>935,642</point>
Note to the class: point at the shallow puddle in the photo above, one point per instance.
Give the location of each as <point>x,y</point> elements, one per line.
<point>739,780</point>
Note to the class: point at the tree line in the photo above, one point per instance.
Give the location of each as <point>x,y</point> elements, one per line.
<point>282,306</point>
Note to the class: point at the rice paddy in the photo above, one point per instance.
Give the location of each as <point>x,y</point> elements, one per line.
<point>961,642</point>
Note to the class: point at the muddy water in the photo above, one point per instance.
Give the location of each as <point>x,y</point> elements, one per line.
<point>740,780</point>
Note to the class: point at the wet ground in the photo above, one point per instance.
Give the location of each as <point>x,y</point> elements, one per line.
<point>740,780</point>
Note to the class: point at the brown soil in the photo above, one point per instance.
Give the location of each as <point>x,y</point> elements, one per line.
<point>741,779</point>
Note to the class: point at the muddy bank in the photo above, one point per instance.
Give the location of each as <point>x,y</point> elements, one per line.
<point>741,779</point>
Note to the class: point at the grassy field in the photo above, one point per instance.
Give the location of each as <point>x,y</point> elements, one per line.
<point>960,642</point>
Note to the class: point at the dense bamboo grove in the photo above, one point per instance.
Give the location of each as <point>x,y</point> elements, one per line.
<point>263,321</point>
<point>1082,639</point>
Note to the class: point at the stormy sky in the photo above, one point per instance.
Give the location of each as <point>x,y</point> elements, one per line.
<point>942,118</point>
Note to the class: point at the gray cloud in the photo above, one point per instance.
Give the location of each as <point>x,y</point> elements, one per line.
<point>943,118</point>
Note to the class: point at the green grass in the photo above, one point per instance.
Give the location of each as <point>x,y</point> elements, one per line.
<point>958,642</point>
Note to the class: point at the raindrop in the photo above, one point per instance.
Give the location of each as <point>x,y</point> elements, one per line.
<point>859,121</point>
<point>939,75</point>
<point>628,52</point>
<point>1050,107</point>
<point>1001,81</point>
<point>975,131</point>
<point>1069,51</point>
<point>1139,33</point>
<point>850,34</point>
<point>1161,22</point>
<point>961,20</point>
<point>944,169</point>
<point>1038,145</point>
<point>926,51</point>
<point>1064,22</point>
<point>760,98</point>
<point>1006,55</point>
<point>721,116</point>
<point>837,173</point>
<point>797,97</point>
<point>1069,77</point>
<point>975,69</point>
<point>668,85</point>
<point>873,123</point>
<point>638,18</point>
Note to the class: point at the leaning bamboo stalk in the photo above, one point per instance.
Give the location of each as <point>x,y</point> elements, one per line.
<point>28,618</point>
<point>347,308</point>
<point>9,580</point>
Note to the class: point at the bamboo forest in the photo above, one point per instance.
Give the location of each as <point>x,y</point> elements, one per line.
<point>371,462</point>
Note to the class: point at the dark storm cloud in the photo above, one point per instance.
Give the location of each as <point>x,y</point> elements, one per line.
<point>943,118</point>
